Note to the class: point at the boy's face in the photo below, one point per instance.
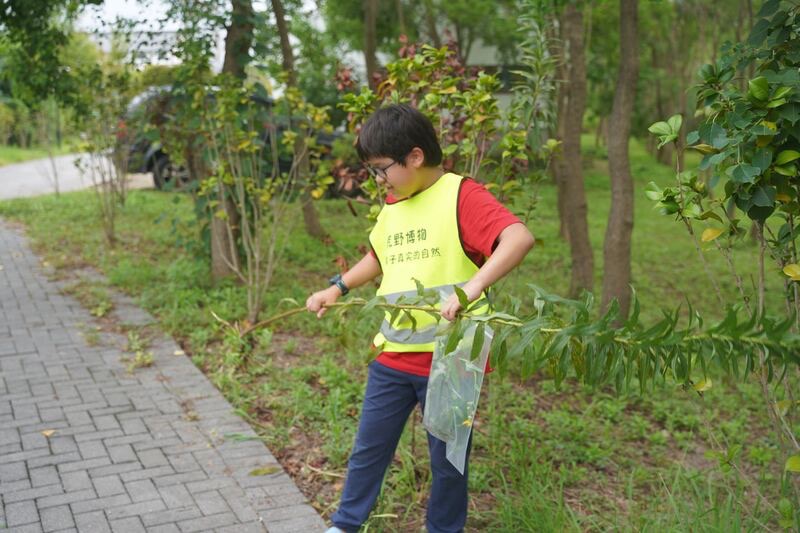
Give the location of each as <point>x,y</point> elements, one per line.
<point>398,179</point>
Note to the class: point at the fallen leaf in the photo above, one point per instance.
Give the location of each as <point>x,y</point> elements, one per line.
<point>178,352</point>
<point>265,470</point>
<point>48,432</point>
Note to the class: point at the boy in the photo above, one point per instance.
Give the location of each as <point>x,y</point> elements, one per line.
<point>438,228</point>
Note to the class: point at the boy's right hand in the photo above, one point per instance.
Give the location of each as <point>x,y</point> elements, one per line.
<point>317,300</point>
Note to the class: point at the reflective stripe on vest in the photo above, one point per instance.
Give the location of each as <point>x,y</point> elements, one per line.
<point>418,238</point>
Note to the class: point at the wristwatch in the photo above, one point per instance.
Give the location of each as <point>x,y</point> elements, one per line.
<point>339,282</point>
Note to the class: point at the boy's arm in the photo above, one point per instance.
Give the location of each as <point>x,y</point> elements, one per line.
<point>513,243</point>
<point>363,271</point>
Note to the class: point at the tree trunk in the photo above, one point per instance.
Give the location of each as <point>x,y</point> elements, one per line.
<point>370,40</point>
<point>310,215</point>
<point>401,19</point>
<point>557,167</point>
<point>286,47</point>
<point>739,38</point>
<point>571,171</point>
<point>600,134</point>
<point>430,24</point>
<point>617,246</point>
<point>239,38</point>
<point>224,232</point>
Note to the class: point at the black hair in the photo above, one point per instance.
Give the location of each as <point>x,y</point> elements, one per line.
<point>393,131</point>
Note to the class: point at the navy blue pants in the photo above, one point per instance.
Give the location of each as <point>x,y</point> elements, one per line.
<point>390,397</point>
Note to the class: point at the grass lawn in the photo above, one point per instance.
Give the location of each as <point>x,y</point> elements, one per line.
<point>543,459</point>
<point>15,154</point>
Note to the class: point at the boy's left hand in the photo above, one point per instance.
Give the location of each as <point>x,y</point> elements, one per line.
<point>452,306</point>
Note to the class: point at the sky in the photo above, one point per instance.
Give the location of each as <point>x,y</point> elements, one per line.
<point>131,9</point>
<point>149,13</point>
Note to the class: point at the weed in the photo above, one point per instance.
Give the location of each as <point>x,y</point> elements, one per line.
<point>135,342</point>
<point>91,295</point>
<point>542,460</point>
<point>91,335</point>
<point>139,360</point>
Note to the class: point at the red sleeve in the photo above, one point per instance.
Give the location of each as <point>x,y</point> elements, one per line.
<point>481,219</point>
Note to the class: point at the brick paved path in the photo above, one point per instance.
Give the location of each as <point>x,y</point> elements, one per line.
<point>123,455</point>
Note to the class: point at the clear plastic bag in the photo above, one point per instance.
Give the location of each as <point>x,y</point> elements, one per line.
<point>454,387</point>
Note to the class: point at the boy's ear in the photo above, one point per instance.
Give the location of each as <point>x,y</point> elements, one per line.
<point>416,157</point>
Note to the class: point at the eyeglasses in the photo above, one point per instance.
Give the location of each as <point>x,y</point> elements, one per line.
<point>379,172</point>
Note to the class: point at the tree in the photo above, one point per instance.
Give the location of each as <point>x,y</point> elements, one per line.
<point>239,38</point>
<point>36,32</point>
<point>569,172</point>
<point>310,215</point>
<point>370,40</point>
<point>750,139</point>
<point>617,246</point>
<point>224,229</point>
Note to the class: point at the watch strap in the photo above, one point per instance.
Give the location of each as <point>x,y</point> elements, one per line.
<point>339,282</point>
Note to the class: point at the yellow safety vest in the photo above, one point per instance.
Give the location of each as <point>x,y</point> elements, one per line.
<point>418,238</point>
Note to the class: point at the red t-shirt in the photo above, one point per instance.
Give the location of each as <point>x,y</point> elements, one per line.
<point>481,219</point>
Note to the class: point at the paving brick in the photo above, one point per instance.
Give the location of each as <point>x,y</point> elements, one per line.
<point>83,465</point>
<point>7,449</point>
<point>296,524</point>
<point>152,458</point>
<point>92,522</point>
<point>75,481</point>
<point>91,449</point>
<point>276,501</point>
<point>166,528</point>
<point>239,503</point>
<point>103,502</point>
<point>57,518</point>
<point>33,440</point>
<point>137,439</point>
<point>54,459</point>
<point>106,422</point>
<point>36,527</point>
<point>13,486</point>
<point>44,475</point>
<point>20,513</point>
<point>26,455</point>
<point>184,462</point>
<point>127,525</point>
<point>166,445</point>
<point>108,485</point>
<point>142,490</point>
<point>63,444</point>
<point>13,471</point>
<point>251,527</point>
<point>51,414</point>
<point>287,513</point>
<point>32,494</point>
<point>121,454</point>
<point>79,418</point>
<point>96,435</point>
<point>211,502</point>
<point>134,509</point>
<point>133,426</point>
<point>147,473</point>
<point>121,458</point>
<point>69,497</point>
<point>207,522</point>
<point>169,515</point>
